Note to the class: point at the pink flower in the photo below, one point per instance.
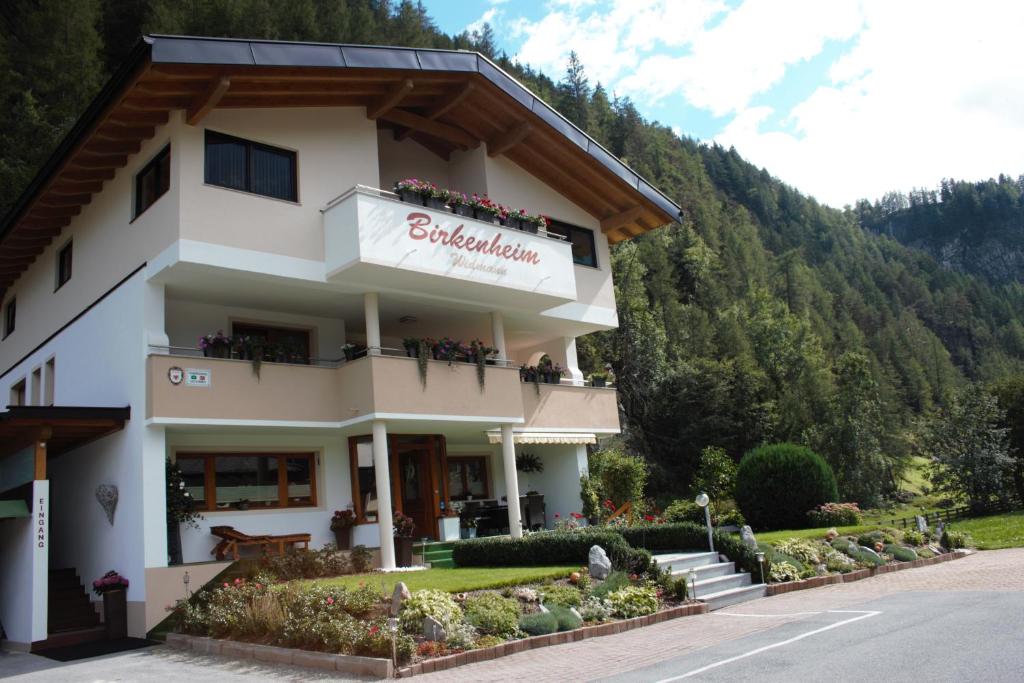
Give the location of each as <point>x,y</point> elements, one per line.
<point>557,516</point>
<point>330,601</point>
<point>227,585</point>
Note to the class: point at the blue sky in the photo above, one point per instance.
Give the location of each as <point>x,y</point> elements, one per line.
<point>841,98</point>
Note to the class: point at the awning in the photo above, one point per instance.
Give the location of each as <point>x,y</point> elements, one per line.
<point>10,509</point>
<point>66,427</point>
<point>545,438</point>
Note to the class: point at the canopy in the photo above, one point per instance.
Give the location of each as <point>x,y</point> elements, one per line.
<point>545,438</point>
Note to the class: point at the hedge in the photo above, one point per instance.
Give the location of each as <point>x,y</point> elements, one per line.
<point>777,484</point>
<point>550,547</point>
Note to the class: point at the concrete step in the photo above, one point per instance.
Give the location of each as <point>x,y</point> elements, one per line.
<point>707,571</point>
<point>732,596</point>
<point>717,584</point>
<point>442,564</point>
<point>678,561</point>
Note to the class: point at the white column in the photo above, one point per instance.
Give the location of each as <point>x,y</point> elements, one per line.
<point>498,333</point>
<point>371,307</point>
<point>382,473</point>
<point>572,363</point>
<point>508,456</point>
<point>40,562</point>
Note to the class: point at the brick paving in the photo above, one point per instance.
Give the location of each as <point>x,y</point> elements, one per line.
<point>999,570</point>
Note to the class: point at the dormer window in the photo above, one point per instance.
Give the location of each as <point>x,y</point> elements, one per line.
<point>249,166</point>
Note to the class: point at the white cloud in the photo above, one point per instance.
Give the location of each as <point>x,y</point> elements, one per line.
<point>486,18</point>
<point>928,91</point>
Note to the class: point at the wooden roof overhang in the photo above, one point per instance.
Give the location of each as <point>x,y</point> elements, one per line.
<point>445,100</point>
<point>62,428</point>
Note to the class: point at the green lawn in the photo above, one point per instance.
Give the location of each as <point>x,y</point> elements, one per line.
<point>997,531</point>
<point>776,536</point>
<point>454,580</point>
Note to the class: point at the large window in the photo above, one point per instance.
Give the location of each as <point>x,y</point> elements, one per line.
<point>467,477</point>
<point>10,313</point>
<point>249,481</point>
<point>250,166</point>
<point>582,240</point>
<point>64,257</point>
<point>153,181</point>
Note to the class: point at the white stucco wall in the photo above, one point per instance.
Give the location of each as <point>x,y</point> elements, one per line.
<point>408,159</point>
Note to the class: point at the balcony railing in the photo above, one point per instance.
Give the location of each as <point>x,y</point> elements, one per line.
<point>371,239</point>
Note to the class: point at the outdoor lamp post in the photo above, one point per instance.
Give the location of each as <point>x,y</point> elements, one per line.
<point>693,583</point>
<point>703,500</point>
<point>760,563</point>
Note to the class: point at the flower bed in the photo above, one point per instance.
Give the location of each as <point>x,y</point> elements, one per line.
<point>482,208</point>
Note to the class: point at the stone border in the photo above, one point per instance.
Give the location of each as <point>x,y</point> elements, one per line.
<point>515,646</point>
<point>351,664</point>
<point>858,574</point>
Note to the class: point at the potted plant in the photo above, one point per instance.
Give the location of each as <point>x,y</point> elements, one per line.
<point>460,204</point>
<point>341,524</point>
<point>437,197</point>
<point>533,224</point>
<point>467,525</point>
<point>403,527</point>
<point>114,590</point>
<point>555,377</point>
<point>412,346</point>
<point>180,510</point>
<point>484,209</point>
<point>598,379</point>
<point>528,462</point>
<point>349,350</point>
<point>410,190</point>
<point>478,353</point>
<point>216,345</point>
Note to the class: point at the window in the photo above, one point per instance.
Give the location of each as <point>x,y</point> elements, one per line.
<point>282,343</point>
<point>584,252</point>
<point>10,312</point>
<point>17,396</point>
<point>152,181</point>
<point>37,386</point>
<point>249,481</point>
<point>467,477</point>
<point>250,166</point>
<point>63,265</point>
<point>364,478</point>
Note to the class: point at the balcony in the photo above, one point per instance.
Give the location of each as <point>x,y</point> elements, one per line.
<point>373,240</point>
<point>571,408</point>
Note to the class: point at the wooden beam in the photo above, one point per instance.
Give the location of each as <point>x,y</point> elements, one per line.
<point>433,144</point>
<point>134,119</point>
<point>441,108</point>
<point>90,162</point>
<point>390,100</point>
<point>57,199</point>
<point>159,104</point>
<point>434,128</point>
<point>621,219</point>
<point>116,133</point>
<point>86,174</point>
<point>61,212</point>
<point>204,103</point>
<point>112,147</point>
<point>76,187</point>
<point>40,452</point>
<point>503,142</point>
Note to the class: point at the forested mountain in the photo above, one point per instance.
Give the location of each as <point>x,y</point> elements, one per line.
<point>762,316</point>
<point>975,228</point>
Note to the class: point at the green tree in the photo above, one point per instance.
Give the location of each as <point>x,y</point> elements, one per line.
<point>1010,395</point>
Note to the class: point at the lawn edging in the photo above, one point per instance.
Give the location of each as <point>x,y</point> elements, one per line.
<point>857,575</point>
<point>270,654</point>
<point>583,633</point>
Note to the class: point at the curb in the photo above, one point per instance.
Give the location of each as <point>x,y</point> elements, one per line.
<point>858,574</point>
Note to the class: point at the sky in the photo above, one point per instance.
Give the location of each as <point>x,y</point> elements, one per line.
<point>843,99</point>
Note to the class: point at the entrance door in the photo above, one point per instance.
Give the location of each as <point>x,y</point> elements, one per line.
<point>421,489</point>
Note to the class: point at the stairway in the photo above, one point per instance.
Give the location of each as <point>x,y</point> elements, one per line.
<point>438,555</point>
<point>717,583</point>
<point>71,617</point>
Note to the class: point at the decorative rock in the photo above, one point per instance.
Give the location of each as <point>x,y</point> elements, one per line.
<point>576,612</point>
<point>574,578</point>
<point>543,609</point>
<point>940,528</point>
<point>922,525</point>
<point>433,630</point>
<point>831,534</point>
<point>400,594</point>
<point>600,566</point>
<point>747,536</point>
<point>865,549</point>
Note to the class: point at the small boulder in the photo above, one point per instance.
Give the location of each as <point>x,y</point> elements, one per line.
<point>400,594</point>
<point>747,536</point>
<point>831,534</point>
<point>922,524</point>
<point>599,564</point>
<point>543,609</point>
<point>433,630</point>
<point>865,549</point>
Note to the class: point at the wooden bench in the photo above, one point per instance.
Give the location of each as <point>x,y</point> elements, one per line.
<point>231,540</point>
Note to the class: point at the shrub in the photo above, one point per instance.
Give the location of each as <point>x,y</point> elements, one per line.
<point>618,477</point>
<point>567,621</point>
<point>684,511</point>
<point>777,484</point>
<point>595,609</point>
<point>806,551</point>
<point>614,582</point>
<point>429,603</point>
<point>925,553</point>
<point>835,514</point>
<point>492,614</point>
<point>716,474</point>
<point>561,595</point>
<point>633,601</point>
<point>539,624</point>
<point>900,553</point>
<point>870,538</point>
<point>555,547</point>
<point>361,559</point>
<point>867,558</point>
<point>913,537</point>
<point>782,571</point>
<point>952,539</point>
<point>462,636</point>
<point>311,564</point>
<point>488,641</point>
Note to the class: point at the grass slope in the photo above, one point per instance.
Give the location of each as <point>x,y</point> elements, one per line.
<point>995,532</point>
<point>454,580</point>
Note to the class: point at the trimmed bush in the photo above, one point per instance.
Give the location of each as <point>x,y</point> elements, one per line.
<point>901,554</point>
<point>492,614</point>
<point>554,547</point>
<point>872,537</point>
<point>780,572</point>
<point>429,603</point>
<point>684,510</point>
<point>539,624</point>
<point>567,621</point>
<point>777,484</point>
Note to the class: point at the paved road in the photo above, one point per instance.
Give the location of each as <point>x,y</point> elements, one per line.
<point>952,621</point>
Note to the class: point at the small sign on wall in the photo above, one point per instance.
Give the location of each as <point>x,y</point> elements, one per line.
<point>196,377</point>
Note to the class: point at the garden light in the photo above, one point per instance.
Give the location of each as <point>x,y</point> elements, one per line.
<point>760,563</point>
<point>702,500</point>
<point>693,583</point>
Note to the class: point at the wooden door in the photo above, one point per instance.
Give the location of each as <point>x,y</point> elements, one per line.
<point>418,480</point>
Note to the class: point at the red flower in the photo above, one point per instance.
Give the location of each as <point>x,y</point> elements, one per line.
<point>648,518</point>
<point>227,585</point>
<point>374,630</point>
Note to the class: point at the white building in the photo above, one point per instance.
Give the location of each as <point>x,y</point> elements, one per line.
<point>226,185</point>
